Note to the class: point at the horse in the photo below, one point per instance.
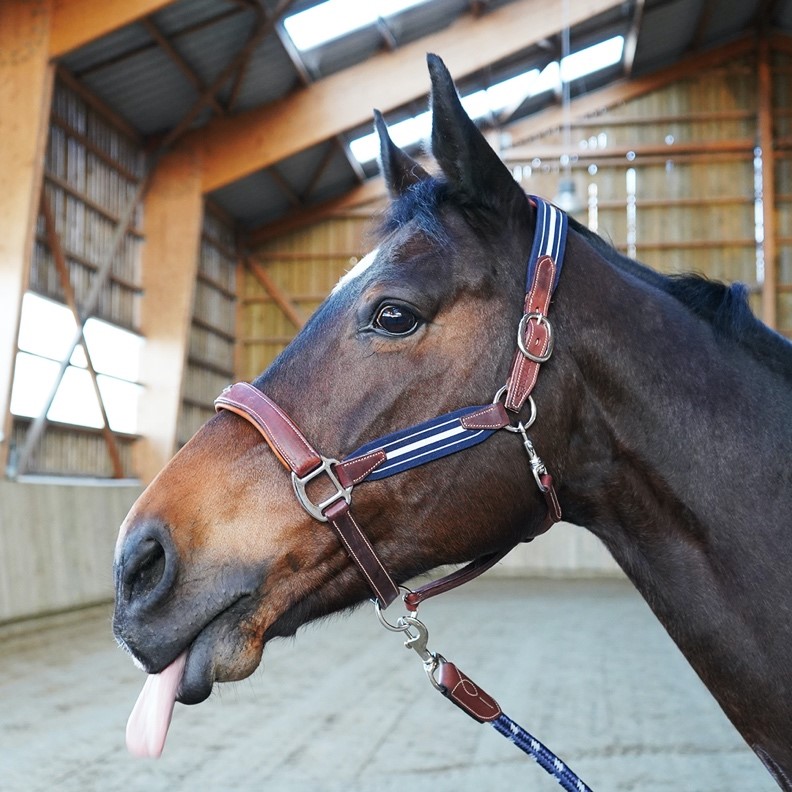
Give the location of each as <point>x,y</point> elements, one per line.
<point>662,416</point>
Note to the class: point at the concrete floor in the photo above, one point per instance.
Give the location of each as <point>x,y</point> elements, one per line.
<point>582,665</point>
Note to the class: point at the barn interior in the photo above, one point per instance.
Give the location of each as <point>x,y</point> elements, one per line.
<point>182,182</point>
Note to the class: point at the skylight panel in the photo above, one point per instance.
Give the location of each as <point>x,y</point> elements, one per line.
<point>592,59</point>
<point>500,96</point>
<point>477,105</point>
<point>403,134</point>
<point>335,18</point>
<point>512,91</point>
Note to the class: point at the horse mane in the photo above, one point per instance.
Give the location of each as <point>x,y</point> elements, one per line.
<point>724,307</point>
<point>421,202</point>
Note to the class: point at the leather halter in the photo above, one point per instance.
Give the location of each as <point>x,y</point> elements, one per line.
<point>428,441</point>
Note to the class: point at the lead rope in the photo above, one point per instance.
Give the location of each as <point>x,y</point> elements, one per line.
<point>468,696</point>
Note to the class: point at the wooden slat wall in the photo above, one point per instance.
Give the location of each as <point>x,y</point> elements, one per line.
<point>91,170</point>
<point>305,265</point>
<point>692,155</point>
<point>74,451</point>
<point>782,123</point>
<point>210,360</point>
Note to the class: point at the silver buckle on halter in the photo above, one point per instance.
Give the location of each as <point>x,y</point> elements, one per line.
<point>316,510</point>
<point>540,319</point>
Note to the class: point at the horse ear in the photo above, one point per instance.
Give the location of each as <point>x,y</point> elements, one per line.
<point>400,170</point>
<point>467,160</point>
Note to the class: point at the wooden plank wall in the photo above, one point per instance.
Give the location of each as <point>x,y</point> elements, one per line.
<point>667,177</point>
<point>91,169</point>
<point>782,123</point>
<point>304,266</point>
<point>211,352</point>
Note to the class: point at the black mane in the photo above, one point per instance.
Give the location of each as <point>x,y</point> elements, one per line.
<point>724,306</point>
<point>420,203</point>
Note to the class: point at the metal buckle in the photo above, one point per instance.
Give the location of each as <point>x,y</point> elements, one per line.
<point>540,319</point>
<point>316,509</point>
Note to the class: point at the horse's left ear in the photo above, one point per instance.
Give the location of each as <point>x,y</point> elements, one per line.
<point>467,160</point>
<point>400,170</point>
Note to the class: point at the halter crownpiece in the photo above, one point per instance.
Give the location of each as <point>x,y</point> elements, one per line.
<point>535,333</point>
<point>428,441</point>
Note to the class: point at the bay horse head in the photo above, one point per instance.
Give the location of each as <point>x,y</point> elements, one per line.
<point>225,549</point>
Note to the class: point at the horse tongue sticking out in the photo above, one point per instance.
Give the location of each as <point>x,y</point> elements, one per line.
<point>148,724</point>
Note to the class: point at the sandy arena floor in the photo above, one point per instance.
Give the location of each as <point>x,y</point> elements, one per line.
<point>344,708</point>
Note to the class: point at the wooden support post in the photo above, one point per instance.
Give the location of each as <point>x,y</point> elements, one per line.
<point>26,80</point>
<point>173,215</point>
<point>766,141</point>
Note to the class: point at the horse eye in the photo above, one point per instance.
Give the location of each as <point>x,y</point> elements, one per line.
<point>395,320</point>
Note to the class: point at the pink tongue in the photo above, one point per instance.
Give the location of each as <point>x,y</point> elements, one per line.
<point>148,724</point>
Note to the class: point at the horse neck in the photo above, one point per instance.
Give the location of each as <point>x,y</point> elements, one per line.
<point>680,464</point>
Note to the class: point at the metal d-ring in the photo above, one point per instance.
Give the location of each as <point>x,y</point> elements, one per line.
<point>540,318</point>
<point>520,426</point>
<point>401,624</point>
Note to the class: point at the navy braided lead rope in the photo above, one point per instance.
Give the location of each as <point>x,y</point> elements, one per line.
<point>540,753</point>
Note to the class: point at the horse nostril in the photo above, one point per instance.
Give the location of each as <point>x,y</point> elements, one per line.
<point>147,568</point>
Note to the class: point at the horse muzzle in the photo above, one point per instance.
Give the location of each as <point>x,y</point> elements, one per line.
<point>165,606</point>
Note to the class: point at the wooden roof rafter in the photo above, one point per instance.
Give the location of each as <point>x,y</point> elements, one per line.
<point>258,138</point>
<point>522,132</point>
<point>261,30</point>
<point>167,46</point>
<point>625,90</point>
<point>631,41</point>
<point>78,22</point>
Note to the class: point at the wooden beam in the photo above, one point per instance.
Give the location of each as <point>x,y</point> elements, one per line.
<point>173,213</point>
<point>26,82</point>
<point>256,139</point>
<point>166,45</point>
<point>626,90</point>
<point>59,257</point>
<point>279,297</point>
<point>631,42</point>
<point>77,22</point>
<point>780,42</point>
<point>372,190</point>
<point>525,153</point>
<point>769,281</point>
